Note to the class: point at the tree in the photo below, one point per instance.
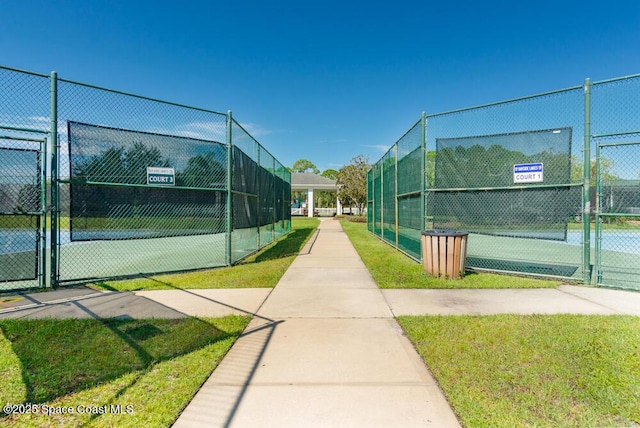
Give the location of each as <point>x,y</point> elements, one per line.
<point>138,158</point>
<point>352,183</point>
<point>477,166</point>
<point>115,165</point>
<point>107,167</point>
<point>203,171</point>
<point>606,167</point>
<point>331,174</point>
<point>28,198</point>
<point>304,165</point>
<point>327,199</point>
<point>431,168</point>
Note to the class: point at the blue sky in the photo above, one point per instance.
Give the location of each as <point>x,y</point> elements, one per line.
<point>329,80</point>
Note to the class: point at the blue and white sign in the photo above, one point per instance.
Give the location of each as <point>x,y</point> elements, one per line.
<point>161,176</point>
<point>528,173</point>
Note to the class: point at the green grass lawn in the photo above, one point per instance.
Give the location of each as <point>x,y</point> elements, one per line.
<point>392,269</point>
<point>621,224</point>
<point>261,270</point>
<point>515,370</point>
<point>152,366</point>
<point>534,371</point>
<point>496,371</point>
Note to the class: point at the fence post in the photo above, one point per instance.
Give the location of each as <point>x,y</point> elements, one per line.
<point>596,272</point>
<point>382,200</point>
<point>374,203</point>
<point>395,190</point>
<point>53,264</point>
<point>43,278</point>
<point>273,204</point>
<point>423,194</point>
<point>229,187</point>
<point>258,204</point>
<point>586,190</point>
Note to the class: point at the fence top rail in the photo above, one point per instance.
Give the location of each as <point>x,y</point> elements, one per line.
<point>139,96</point>
<point>245,131</point>
<point>16,138</point>
<point>262,148</point>
<point>616,134</point>
<point>496,103</point>
<point>31,130</point>
<point>178,137</point>
<point>517,187</point>
<point>400,139</point>
<point>24,71</point>
<point>60,79</point>
<point>616,79</point>
<point>620,143</point>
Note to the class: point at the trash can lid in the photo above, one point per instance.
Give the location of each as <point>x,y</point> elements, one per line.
<point>444,232</point>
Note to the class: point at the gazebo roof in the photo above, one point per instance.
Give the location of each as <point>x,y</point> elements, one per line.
<point>306,180</point>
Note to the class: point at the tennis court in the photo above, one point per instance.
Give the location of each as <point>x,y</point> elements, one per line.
<point>529,178</point>
<point>133,185</point>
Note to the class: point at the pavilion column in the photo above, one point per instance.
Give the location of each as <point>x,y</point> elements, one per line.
<point>310,205</point>
<point>338,207</point>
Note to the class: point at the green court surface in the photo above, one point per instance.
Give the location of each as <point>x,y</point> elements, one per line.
<point>102,259</point>
<point>82,260</point>
<point>619,265</point>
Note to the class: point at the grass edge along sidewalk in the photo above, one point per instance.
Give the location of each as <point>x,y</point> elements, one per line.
<point>534,370</point>
<point>515,370</point>
<point>107,372</point>
<point>260,270</point>
<point>148,370</point>
<point>392,269</point>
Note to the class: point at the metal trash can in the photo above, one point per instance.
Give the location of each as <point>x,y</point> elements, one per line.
<point>444,253</point>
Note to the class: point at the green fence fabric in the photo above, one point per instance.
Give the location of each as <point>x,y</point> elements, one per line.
<point>128,185</point>
<point>513,175</point>
<point>137,185</point>
<point>491,184</point>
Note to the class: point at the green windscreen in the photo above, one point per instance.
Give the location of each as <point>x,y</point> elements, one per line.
<point>512,184</point>
<point>132,185</point>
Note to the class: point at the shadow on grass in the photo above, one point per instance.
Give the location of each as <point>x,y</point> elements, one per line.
<point>105,285</point>
<point>290,246</point>
<point>59,357</point>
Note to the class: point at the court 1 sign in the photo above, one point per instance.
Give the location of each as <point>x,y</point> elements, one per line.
<point>528,173</point>
<point>161,176</point>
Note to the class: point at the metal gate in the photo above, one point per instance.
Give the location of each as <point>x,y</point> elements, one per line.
<point>617,218</point>
<point>23,246</point>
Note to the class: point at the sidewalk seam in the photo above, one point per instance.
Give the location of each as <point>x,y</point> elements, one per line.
<point>591,301</point>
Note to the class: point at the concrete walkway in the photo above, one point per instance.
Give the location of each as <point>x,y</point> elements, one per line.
<point>323,350</point>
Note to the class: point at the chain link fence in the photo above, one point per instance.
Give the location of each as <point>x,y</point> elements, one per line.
<point>616,134</point>
<point>261,195</point>
<point>135,185</point>
<point>24,124</point>
<point>513,174</point>
<point>395,193</point>
<point>617,225</point>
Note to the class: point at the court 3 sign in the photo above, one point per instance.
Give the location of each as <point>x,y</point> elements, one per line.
<point>161,176</point>
<point>528,173</point>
